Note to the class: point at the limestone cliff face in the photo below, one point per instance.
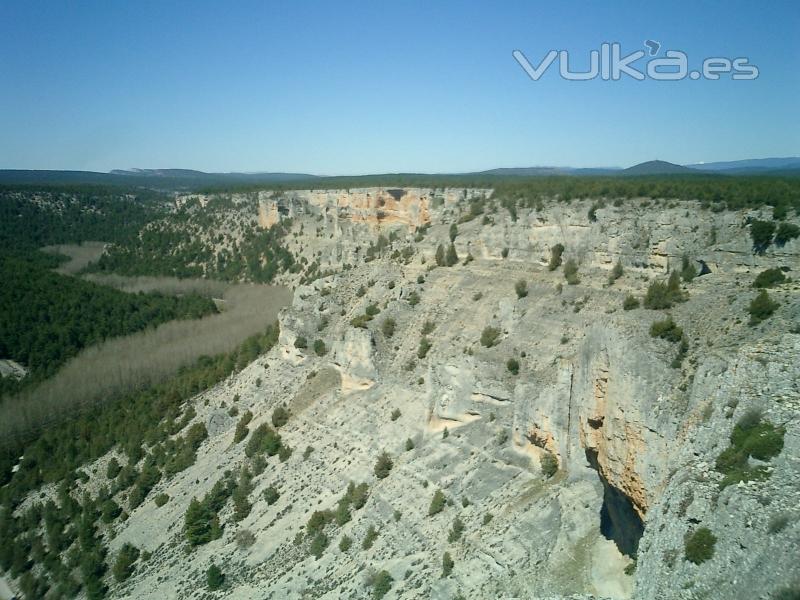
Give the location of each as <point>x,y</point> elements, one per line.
<point>593,389</point>
<point>755,522</point>
<point>268,213</point>
<point>638,234</point>
<point>621,411</point>
<point>376,207</point>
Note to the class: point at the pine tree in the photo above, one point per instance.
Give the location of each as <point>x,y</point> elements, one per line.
<point>452,256</point>
<point>440,259</point>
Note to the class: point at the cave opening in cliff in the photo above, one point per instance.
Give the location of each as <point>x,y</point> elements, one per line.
<point>619,521</point>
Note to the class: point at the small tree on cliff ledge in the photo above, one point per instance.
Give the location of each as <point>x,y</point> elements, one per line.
<point>383,466</point>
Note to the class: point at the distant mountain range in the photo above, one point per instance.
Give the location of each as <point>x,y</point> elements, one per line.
<point>782,166</point>
<point>751,165</point>
<point>200,175</point>
<point>177,179</point>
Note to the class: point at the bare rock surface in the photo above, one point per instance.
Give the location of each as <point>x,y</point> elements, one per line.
<point>593,390</point>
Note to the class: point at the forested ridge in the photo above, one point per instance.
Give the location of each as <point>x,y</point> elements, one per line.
<point>35,216</point>
<point>199,241</point>
<point>47,318</point>
<point>733,192</point>
<point>718,192</point>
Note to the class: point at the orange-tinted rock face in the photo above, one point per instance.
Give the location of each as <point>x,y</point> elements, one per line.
<point>377,206</point>
<point>542,439</point>
<point>268,214</point>
<point>616,441</point>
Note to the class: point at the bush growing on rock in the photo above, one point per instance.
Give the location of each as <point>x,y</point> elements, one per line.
<point>751,436</point>
<point>301,343</point>
<point>184,453</point>
<point>241,494</point>
<point>345,543</point>
<point>630,302</point>
<point>666,330</point>
<point>110,510</point>
<point>271,495</point>
<point>521,287</point>
<point>318,520</point>
<point>424,347</point>
<point>360,321</point>
<point>440,258</point>
<point>688,270</point>
<point>661,295</point>
<point>148,478</point>
<point>201,523</point>
<point>453,232</point>
<point>437,503</point>
<point>555,257</point>
<point>761,232</point>
<point>388,327</point>
<point>447,564</point>
<point>699,545</point>
<point>113,468</point>
<point>451,258</point>
<point>320,349</point>
<point>343,514</point>
<point>762,307</point>
<point>280,416</point>
<point>245,538</point>
<point>409,445</point>
<point>785,233</point>
<point>318,545</point>
<point>413,298</point>
<point>123,567</point>
<point>357,494</point>
<point>370,537</point>
<point>513,366</point>
<point>758,438</point>
<point>571,272</point>
<point>284,453</point>
<point>241,427</point>
<point>616,272</point>
<point>383,466</point>
<point>161,499</point>
<point>380,583</point>
<point>592,214</point>
<point>769,278</point>
<point>395,414</point>
<point>215,578</point>
<point>549,464</point>
<point>489,336</point>
<point>263,439</point>
<point>456,531</point>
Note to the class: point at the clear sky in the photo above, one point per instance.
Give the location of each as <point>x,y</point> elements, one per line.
<point>346,88</point>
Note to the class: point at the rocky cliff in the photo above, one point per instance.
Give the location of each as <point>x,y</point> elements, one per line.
<point>576,452</point>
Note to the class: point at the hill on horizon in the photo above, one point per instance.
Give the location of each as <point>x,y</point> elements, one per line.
<point>658,167</point>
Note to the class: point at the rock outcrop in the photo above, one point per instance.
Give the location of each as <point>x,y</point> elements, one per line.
<point>634,435</point>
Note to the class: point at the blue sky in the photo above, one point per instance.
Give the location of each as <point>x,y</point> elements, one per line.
<point>346,88</point>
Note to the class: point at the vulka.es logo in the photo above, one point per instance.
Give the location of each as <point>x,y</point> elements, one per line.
<point>609,64</point>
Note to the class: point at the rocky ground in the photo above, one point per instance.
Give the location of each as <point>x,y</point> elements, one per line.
<point>591,388</point>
